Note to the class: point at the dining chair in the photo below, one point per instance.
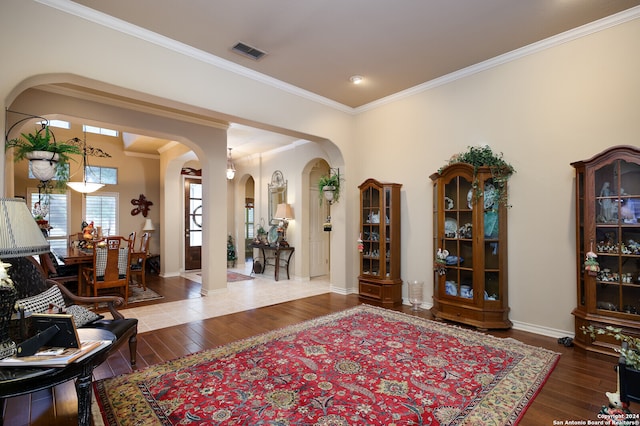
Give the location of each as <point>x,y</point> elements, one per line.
<point>132,238</point>
<point>111,260</point>
<point>139,261</point>
<point>74,239</point>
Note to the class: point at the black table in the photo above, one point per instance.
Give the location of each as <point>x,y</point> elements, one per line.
<point>274,259</point>
<point>17,381</point>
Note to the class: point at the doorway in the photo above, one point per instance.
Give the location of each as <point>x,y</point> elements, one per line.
<point>192,223</point>
<point>318,214</point>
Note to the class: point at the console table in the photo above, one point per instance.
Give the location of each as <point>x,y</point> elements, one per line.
<point>17,381</point>
<point>278,257</point>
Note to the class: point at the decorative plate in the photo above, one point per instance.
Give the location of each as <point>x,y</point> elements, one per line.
<point>450,227</point>
<point>490,196</point>
<point>272,236</point>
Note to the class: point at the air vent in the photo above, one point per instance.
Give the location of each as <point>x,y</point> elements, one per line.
<point>248,51</point>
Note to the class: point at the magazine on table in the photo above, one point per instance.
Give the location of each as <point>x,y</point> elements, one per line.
<point>50,356</point>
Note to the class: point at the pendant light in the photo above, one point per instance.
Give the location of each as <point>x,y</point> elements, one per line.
<point>231,169</point>
<point>84,186</point>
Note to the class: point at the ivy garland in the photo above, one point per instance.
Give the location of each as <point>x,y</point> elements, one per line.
<point>483,156</point>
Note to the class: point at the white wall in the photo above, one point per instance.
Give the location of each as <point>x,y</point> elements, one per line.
<point>542,111</point>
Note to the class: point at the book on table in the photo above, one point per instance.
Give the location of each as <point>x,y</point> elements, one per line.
<point>50,356</point>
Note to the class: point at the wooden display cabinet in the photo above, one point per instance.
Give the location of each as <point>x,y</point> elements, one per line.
<point>470,223</point>
<point>379,280</point>
<point>608,224</point>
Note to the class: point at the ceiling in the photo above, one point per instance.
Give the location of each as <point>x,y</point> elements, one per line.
<point>394,44</point>
<point>315,46</point>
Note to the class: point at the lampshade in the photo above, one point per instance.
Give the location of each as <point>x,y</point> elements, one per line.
<point>85,187</point>
<point>20,235</point>
<point>284,211</point>
<point>148,225</point>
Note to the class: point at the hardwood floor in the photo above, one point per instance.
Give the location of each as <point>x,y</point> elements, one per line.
<point>574,391</point>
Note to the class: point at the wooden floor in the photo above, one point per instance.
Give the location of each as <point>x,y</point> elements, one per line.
<point>574,391</point>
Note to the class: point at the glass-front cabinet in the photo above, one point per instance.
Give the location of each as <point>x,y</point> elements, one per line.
<point>379,280</point>
<point>470,246</point>
<point>608,245</point>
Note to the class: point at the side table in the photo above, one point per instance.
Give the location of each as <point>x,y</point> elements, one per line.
<point>276,259</point>
<point>17,381</point>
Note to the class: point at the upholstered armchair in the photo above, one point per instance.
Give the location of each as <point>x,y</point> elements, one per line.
<point>33,290</point>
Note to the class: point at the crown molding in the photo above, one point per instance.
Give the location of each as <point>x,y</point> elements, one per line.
<point>152,37</point>
<point>573,34</point>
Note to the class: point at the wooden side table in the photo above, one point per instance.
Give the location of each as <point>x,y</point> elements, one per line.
<point>275,258</point>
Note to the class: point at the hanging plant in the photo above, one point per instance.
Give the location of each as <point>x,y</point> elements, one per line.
<point>44,141</point>
<point>483,156</point>
<point>329,183</point>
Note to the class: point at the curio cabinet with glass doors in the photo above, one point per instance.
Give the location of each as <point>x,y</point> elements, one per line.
<point>379,280</point>
<point>470,247</point>
<point>607,246</point>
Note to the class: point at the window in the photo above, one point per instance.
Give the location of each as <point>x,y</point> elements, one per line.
<point>57,123</point>
<point>102,210</point>
<point>99,130</point>
<point>57,215</point>
<point>106,175</point>
<point>248,218</point>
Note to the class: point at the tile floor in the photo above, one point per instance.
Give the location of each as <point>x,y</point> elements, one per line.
<point>238,296</point>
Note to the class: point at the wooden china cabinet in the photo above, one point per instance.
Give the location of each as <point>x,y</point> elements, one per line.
<point>470,223</point>
<point>379,280</point>
<point>608,224</point>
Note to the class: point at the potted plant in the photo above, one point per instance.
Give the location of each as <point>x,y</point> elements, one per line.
<point>628,365</point>
<point>483,156</point>
<point>329,186</point>
<point>48,158</point>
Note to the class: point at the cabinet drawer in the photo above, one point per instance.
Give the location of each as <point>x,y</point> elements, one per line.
<point>462,312</point>
<point>371,290</point>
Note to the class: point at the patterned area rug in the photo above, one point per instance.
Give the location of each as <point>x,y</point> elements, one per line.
<point>364,366</point>
<point>234,276</point>
<point>137,295</point>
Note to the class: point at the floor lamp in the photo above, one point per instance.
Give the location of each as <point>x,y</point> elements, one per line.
<point>20,236</point>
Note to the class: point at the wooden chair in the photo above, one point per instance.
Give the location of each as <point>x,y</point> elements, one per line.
<point>139,261</point>
<point>52,269</point>
<point>132,239</point>
<point>74,239</point>
<point>111,261</point>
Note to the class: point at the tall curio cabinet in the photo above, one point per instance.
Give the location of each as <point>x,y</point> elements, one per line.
<point>470,235</point>
<point>379,280</point>
<point>608,225</point>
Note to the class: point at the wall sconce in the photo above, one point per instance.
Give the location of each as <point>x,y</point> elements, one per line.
<point>284,213</point>
<point>231,169</point>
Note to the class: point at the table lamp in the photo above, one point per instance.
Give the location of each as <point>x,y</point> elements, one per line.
<point>284,213</point>
<point>20,236</point>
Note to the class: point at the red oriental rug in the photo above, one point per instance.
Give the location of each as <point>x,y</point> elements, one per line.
<point>362,366</point>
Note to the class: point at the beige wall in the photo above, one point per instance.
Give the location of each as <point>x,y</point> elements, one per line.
<point>136,175</point>
<point>542,111</point>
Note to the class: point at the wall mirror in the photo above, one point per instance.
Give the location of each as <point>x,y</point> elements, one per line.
<point>277,194</point>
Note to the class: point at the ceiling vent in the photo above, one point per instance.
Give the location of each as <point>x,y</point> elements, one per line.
<point>248,51</point>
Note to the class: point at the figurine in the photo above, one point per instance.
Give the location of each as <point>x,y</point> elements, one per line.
<point>87,231</point>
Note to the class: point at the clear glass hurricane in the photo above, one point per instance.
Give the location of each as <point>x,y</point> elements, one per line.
<point>415,294</point>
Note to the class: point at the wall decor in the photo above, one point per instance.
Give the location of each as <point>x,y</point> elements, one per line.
<point>142,205</point>
<point>277,195</point>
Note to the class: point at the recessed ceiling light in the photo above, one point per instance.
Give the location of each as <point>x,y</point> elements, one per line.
<point>356,79</point>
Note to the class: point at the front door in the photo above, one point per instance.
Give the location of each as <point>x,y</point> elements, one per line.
<point>192,223</point>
